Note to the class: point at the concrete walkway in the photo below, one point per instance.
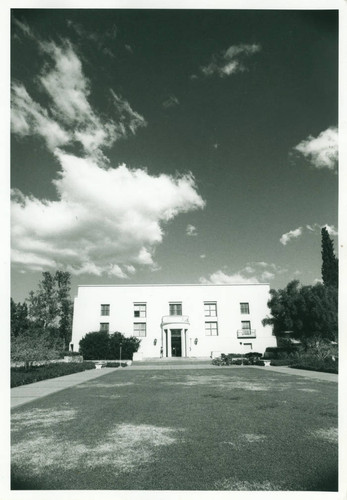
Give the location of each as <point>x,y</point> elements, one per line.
<point>330,377</point>
<point>29,392</point>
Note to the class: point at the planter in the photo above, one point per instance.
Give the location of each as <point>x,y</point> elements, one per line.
<point>267,363</point>
<point>98,366</point>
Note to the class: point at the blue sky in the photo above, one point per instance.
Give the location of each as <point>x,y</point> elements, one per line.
<point>172,146</point>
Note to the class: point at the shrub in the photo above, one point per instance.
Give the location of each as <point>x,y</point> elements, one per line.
<point>30,348</point>
<point>102,345</point>
<point>62,354</point>
<point>310,362</point>
<point>280,362</point>
<point>21,376</point>
<point>279,352</point>
<point>259,362</point>
<point>112,365</point>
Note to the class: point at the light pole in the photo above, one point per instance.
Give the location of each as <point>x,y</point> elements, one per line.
<point>120,354</point>
<point>241,352</point>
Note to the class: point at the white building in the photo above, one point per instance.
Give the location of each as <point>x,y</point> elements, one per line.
<point>177,320</point>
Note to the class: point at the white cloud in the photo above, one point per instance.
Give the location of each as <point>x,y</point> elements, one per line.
<point>219,277</point>
<point>252,272</point>
<point>69,117</point>
<point>191,230</point>
<point>171,102</point>
<point>230,61</point>
<point>312,228</point>
<point>286,237</point>
<point>321,151</point>
<point>106,221</point>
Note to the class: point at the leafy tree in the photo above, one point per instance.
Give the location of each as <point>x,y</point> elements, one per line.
<point>102,345</point>
<point>304,312</point>
<point>129,346</point>
<point>330,264</point>
<point>19,318</point>
<point>30,348</point>
<point>95,345</point>
<point>50,307</point>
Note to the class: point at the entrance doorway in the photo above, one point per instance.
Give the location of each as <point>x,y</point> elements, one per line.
<point>176,343</point>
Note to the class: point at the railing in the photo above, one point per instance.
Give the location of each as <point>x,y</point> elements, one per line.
<point>174,319</point>
<point>246,333</point>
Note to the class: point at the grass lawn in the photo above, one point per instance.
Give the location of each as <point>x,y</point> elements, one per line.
<point>218,429</point>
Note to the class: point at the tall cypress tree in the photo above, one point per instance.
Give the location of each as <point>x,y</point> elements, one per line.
<point>330,273</point>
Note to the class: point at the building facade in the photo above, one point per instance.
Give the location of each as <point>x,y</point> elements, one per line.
<point>177,320</point>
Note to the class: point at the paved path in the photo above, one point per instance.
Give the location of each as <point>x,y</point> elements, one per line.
<point>330,377</point>
<point>27,393</point>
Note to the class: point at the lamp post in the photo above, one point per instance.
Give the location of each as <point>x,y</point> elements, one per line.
<point>120,354</point>
<point>241,352</point>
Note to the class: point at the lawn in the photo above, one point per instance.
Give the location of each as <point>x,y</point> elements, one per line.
<point>219,429</point>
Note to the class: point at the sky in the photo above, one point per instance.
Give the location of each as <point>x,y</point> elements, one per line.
<point>172,146</point>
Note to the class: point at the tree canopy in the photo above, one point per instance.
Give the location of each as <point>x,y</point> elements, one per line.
<point>102,345</point>
<point>304,312</point>
<point>330,273</point>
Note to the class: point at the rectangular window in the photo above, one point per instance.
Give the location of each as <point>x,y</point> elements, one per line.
<point>104,327</point>
<point>211,328</point>
<point>175,309</point>
<point>140,310</point>
<point>244,306</point>
<point>246,325</point>
<point>248,347</point>
<point>210,308</point>
<point>140,329</point>
<point>105,309</point>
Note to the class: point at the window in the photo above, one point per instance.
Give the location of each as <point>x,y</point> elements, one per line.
<point>211,328</point>
<point>105,309</point>
<point>140,329</point>
<point>248,347</point>
<point>104,327</point>
<point>210,308</point>
<point>246,325</point>
<point>176,309</point>
<point>139,310</point>
<point>244,306</point>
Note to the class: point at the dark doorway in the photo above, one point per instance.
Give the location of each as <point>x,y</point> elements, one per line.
<point>176,343</point>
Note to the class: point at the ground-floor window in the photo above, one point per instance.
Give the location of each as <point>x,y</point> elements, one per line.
<point>248,347</point>
<point>211,328</point>
<point>104,327</point>
<point>140,329</point>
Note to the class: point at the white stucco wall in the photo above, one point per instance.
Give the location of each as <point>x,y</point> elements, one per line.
<point>87,315</point>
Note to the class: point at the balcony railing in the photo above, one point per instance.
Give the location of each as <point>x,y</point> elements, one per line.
<point>246,333</point>
<point>175,319</point>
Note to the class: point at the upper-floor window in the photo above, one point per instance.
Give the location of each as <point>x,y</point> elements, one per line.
<point>244,306</point>
<point>176,309</point>
<point>139,310</point>
<point>210,308</point>
<point>104,327</point>
<point>105,309</point>
<point>246,325</point>
<point>211,328</point>
<point>140,329</point>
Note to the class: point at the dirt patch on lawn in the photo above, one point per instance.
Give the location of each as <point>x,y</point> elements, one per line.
<point>232,484</point>
<point>330,434</point>
<point>41,418</point>
<point>103,385</point>
<point>124,448</point>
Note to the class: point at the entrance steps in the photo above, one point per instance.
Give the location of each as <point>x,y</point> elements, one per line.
<point>173,361</point>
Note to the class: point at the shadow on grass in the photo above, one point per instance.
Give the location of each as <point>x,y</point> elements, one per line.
<point>23,483</point>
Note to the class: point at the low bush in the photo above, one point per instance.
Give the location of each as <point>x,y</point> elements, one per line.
<point>62,354</point>
<point>309,362</point>
<point>112,365</point>
<point>22,375</point>
<point>279,352</point>
<point>280,362</point>
<point>259,362</point>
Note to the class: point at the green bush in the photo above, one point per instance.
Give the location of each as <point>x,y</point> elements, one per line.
<point>279,352</point>
<point>259,362</point>
<point>62,354</point>
<point>309,362</point>
<point>280,362</point>
<point>102,345</point>
<point>22,375</point>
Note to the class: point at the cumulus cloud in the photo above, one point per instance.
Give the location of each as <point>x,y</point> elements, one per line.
<point>230,61</point>
<point>106,220</point>
<point>286,237</point>
<point>191,230</point>
<point>69,117</point>
<point>171,102</point>
<point>312,228</point>
<point>252,272</point>
<point>321,151</point>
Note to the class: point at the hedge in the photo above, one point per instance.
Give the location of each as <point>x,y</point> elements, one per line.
<point>22,376</point>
